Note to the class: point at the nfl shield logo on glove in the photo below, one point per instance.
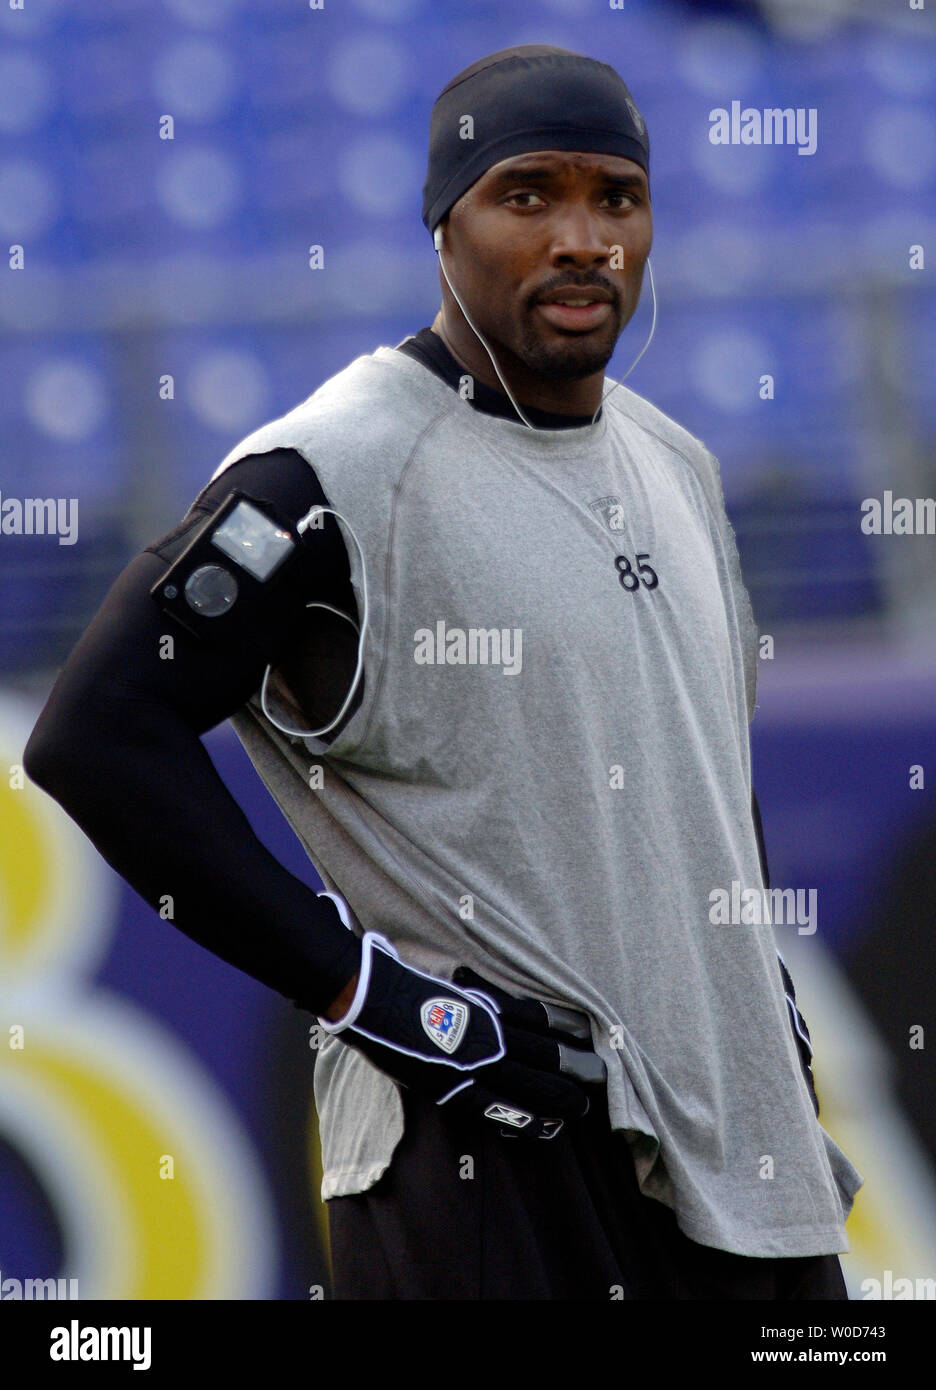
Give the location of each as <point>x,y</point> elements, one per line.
<point>445,1021</point>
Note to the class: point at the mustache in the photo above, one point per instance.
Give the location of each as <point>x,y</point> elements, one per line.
<point>566,282</point>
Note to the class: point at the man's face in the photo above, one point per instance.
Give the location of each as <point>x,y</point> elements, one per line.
<point>543,223</point>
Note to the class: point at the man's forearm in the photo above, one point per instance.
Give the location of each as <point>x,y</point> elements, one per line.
<point>150,799</point>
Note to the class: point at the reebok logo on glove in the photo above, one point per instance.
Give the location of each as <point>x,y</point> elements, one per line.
<point>507,1115</point>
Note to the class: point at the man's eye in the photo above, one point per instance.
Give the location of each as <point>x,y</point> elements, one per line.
<point>613,193</point>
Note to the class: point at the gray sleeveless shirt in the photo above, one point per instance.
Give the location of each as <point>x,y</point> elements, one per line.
<point>549,775</point>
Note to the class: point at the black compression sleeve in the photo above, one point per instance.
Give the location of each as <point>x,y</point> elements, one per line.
<point>118,746</point>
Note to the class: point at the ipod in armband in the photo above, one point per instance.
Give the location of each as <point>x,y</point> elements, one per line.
<point>238,556</point>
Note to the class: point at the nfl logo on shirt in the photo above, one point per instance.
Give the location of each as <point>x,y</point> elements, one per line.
<point>444,1021</point>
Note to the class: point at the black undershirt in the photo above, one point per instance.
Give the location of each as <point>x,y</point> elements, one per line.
<point>427,347</point>
<point>118,743</point>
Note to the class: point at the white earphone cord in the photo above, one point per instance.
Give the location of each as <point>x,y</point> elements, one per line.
<point>438,247</point>
<point>302,526</point>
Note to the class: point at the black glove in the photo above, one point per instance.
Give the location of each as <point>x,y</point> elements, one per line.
<point>465,1044</point>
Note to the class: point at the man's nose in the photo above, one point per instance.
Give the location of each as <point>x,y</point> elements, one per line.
<point>578,235</point>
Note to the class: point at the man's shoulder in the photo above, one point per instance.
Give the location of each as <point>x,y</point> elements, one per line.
<point>638,411</point>
<point>376,402</point>
<point>655,421</point>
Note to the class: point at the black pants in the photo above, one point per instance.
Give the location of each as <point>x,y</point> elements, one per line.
<point>462,1213</point>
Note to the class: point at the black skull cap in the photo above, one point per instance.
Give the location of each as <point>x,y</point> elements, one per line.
<point>533,97</point>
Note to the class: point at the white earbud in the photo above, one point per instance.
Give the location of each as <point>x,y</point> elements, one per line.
<point>437,239</point>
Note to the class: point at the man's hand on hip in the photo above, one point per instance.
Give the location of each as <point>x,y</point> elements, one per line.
<point>520,1063</point>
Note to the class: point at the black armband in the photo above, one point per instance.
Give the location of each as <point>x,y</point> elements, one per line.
<point>237,556</point>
